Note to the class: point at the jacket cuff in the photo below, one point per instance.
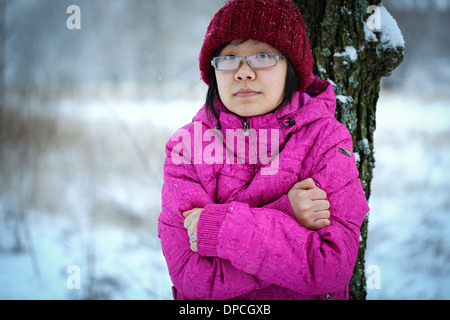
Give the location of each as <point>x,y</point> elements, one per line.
<point>281,204</point>
<point>208,228</point>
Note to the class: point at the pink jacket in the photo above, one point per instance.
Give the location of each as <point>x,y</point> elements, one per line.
<point>250,244</point>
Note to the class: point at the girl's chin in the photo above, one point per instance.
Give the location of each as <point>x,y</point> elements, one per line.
<point>250,110</point>
<point>247,113</point>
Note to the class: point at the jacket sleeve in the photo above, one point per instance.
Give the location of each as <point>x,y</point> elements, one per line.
<point>274,248</point>
<point>194,276</point>
<point>282,204</point>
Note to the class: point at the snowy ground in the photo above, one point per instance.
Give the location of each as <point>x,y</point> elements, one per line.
<point>82,210</point>
<point>409,234</point>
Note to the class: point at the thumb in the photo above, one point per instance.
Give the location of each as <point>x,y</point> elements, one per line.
<point>187,213</point>
<point>306,184</point>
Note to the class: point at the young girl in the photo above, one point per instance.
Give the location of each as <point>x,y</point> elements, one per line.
<point>261,195</point>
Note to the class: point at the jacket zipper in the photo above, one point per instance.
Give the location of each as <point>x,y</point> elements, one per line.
<point>246,126</point>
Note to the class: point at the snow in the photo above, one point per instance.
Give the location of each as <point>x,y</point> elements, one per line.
<point>391,35</point>
<point>390,32</point>
<point>103,219</point>
<point>163,114</point>
<point>344,99</point>
<point>409,238</point>
<point>369,34</point>
<point>348,52</point>
<point>114,264</point>
<point>357,157</point>
<point>364,146</point>
<point>331,82</point>
<point>98,199</point>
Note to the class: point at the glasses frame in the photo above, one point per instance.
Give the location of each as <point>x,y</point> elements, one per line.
<point>278,58</point>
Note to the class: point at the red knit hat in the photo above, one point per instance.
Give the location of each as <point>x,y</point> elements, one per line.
<point>276,22</point>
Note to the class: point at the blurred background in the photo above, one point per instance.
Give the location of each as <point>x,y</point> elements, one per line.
<point>85,115</point>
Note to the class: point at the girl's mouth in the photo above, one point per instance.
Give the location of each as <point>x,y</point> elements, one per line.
<point>246,93</point>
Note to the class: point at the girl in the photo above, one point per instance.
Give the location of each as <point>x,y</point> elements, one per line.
<point>261,195</point>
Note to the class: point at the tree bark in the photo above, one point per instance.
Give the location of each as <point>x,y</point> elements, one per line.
<point>337,26</point>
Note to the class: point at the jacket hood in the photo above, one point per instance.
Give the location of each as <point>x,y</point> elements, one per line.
<point>318,101</point>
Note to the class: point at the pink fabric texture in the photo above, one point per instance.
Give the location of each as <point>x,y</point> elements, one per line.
<point>250,245</point>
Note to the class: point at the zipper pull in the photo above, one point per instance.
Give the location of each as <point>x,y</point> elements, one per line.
<point>289,122</point>
<point>246,127</point>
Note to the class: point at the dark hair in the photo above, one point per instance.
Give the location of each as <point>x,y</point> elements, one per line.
<point>212,94</point>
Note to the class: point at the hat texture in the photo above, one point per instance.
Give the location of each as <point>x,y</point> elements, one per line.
<point>276,22</point>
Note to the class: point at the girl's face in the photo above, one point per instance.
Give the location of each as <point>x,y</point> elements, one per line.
<point>250,92</point>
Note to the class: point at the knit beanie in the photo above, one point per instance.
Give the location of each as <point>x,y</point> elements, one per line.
<point>276,22</point>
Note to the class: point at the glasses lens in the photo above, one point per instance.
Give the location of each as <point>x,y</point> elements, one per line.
<point>257,61</point>
<point>263,60</point>
<point>226,63</point>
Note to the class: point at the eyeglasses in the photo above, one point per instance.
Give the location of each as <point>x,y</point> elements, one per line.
<point>256,61</point>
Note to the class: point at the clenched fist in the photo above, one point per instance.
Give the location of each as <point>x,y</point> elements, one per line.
<point>310,204</point>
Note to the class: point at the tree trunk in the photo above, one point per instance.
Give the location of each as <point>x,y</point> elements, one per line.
<point>354,62</point>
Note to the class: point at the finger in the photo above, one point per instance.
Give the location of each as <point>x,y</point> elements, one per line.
<point>192,229</point>
<point>317,194</point>
<point>187,222</point>
<point>324,214</point>
<point>320,223</point>
<point>319,205</point>
<point>306,184</point>
<point>194,243</point>
<point>187,213</point>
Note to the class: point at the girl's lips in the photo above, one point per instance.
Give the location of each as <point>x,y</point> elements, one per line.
<point>246,93</point>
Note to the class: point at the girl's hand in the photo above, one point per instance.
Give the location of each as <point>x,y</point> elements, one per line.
<point>309,204</point>
<point>190,223</point>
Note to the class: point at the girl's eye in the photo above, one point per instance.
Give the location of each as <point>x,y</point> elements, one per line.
<point>263,55</point>
<point>229,57</point>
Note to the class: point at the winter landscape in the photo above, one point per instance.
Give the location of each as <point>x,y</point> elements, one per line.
<point>82,150</point>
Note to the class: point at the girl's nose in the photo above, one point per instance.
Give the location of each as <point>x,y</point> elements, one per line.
<point>245,72</point>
